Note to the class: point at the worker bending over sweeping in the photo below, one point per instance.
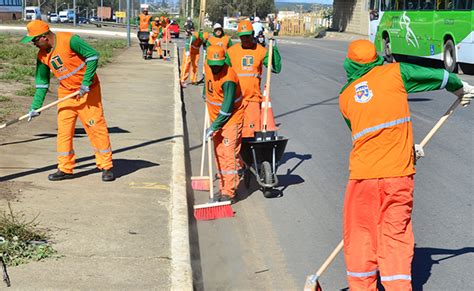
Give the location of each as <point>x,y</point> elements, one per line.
<point>74,63</point>
<point>378,236</point>
<point>247,59</point>
<point>225,107</point>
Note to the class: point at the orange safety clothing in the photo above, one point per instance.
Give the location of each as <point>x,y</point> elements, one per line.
<point>69,68</point>
<point>252,119</point>
<point>220,41</point>
<point>190,62</point>
<point>144,22</point>
<point>378,235</point>
<point>362,101</point>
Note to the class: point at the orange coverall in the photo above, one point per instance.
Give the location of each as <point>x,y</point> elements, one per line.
<point>144,22</point>
<point>191,57</point>
<point>227,140</point>
<point>69,68</point>
<point>156,29</point>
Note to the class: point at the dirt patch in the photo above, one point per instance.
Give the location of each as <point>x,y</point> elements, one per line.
<point>11,191</point>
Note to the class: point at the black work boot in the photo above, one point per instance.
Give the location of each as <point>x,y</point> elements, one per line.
<point>108,175</point>
<point>59,175</point>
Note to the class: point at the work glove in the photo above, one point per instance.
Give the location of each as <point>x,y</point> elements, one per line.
<point>188,54</point>
<point>419,152</point>
<point>32,114</point>
<point>83,90</point>
<point>209,132</point>
<point>466,93</point>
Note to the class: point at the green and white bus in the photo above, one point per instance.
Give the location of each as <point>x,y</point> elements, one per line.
<point>436,29</point>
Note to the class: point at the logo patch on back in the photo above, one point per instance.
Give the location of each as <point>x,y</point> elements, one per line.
<point>247,62</point>
<point>363,93</point>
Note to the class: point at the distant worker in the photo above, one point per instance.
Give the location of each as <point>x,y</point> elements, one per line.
<point>73,62</point>
<point>155,36</point>
<point>188,25</point>
<point>219,37</point>
<point>257,26</point>
<point>378,235</point>
<point>192,46</point>
<point>145,20</point>
<point>277,27</point>
<point>247,60</point>
<point>225,107</point>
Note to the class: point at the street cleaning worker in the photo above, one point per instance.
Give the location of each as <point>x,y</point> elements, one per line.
<point>225,107</point>
<point>145,19</point>
<point>73,62</point>
<point>192,48</point>
<point>155,35</point>
<point>378,236</point>
<point>247,59</point>
<point>219,37</point>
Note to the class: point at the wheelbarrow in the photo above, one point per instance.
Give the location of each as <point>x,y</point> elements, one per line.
<point>261,157</point>
<point>143,37</point>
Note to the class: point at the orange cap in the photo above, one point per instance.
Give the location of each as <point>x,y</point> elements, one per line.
<point>362,51</point>
<point>35,28</point>
<point>215,55</point>
<point>244,28</point>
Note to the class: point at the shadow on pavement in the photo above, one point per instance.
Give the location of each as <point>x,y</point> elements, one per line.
<point>122,167</point>
<point>324,102</point>
<point>419,99</point>
<point>84,159</point>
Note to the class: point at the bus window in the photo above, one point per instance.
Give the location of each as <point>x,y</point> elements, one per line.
<point>440,4</point>
<point>426,5</point>
<point>462,4</point>
<point>412,5</point>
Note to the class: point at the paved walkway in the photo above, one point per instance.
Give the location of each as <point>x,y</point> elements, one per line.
<point>110,235</point>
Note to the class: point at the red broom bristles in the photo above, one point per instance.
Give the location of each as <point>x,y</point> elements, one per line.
<point>213,212</point>
<point>200,183</point>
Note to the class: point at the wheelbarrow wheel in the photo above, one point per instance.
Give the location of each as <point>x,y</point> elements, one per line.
<point>266,176</point>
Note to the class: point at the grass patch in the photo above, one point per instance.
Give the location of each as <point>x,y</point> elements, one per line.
<point>106,48</point>
<point>28,91</point>
<point>5,99</point>
<point>18,73</point>
<point>21,239</point>
<point>7,108</point>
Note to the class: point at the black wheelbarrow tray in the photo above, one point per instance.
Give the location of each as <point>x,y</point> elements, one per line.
<point>261,158</point>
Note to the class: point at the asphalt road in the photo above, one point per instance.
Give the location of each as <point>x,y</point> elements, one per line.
<point>275,243</point>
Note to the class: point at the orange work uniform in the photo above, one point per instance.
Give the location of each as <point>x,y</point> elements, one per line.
<point>191,57</point>
<point>248,64</point>
<point>156,30</point>
<point>227,139</point>
<point>69,68</point>
<point>223,41</point>
<point>144,24</point>
<point>378,236</point>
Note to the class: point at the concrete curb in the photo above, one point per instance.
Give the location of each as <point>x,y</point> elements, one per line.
<point>181,272</point>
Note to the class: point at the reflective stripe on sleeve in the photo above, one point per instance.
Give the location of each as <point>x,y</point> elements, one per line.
<point>73,72</point>
<point>91,59</point>
<point>40,86</point>
<point>362,274</point>
<point>395,277</point>
<point>249,75</point>
<point>63,154</point>
<point>224,113</point>
<point>230,172</point>
<point>381,126</point>
<point>445,80</point>
<point>220,104</point>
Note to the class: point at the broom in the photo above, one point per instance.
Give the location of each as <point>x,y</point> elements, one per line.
<point>212,210</point>
<point>202,182</point>
<point>312,283</point>
<point>167,54</point>
<point>13,121</point>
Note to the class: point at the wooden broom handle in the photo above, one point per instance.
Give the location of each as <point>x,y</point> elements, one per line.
<point>203,151</point>
<point>267,84</point>
<point>440,122</point>
<point>331,258</point>
<point>209,159</point>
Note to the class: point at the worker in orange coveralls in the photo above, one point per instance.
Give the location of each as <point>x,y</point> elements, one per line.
<point>247,59</point>
<point>192,48</point>
<point>155,35</point>
<point>73,62</point>
<point>144,20</point>
<point>225,107</point>
<point>378,235</point>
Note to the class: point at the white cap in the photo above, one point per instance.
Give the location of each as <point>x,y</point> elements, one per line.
<point>217,25</point>
<point>256,19</point>
<point>189,18</point>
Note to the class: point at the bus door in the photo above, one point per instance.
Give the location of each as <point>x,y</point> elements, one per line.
<point>375,14</point>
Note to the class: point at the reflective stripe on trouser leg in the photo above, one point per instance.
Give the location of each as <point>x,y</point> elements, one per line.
<point>64,144</point>
<point>360,233</point>
<point>227,142</point>
<point>251,119</point>
<point>395,236</point>
<point>92,118</point>
<point>194,66</point>
<point>186,64</point>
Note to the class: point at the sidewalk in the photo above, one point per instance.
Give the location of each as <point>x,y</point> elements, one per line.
<point>111,236</point>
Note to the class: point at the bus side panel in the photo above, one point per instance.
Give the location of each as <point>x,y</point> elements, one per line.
<point>456,25</point>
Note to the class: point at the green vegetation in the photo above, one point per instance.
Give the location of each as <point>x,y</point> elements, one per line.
<point>28,91</point>
<point>7,107</point>
<point>106,48</point>
<point>21,240</point>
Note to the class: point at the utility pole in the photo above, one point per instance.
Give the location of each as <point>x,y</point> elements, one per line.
<point>128,23</point>
<point>74,8</point>
<point>102,10</point>
<point>202,14</point>
<point>192,9</point>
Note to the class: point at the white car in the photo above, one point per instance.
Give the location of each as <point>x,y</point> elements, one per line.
<point>53,18</point>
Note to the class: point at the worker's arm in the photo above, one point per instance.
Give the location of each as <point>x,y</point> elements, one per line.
<point>229,44</point>
<point>187,43</point>
<point>276,60</point>
<point>83,49</point>
<point>227,60</point>
<point>41,83</point>
<point>227,105</point>
<point>420,79</point>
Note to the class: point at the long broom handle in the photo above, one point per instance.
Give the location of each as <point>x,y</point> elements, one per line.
<point>203,151</point>
<point>267,85</point>
<point>440,122</point>
<point>209,159</point>
<point>8,123</point>
<point>331,258</point>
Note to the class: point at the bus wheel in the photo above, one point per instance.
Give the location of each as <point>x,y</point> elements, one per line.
<point>387,50</point>
<point>449,56</point>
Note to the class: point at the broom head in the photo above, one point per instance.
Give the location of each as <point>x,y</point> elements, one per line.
<point>200,183</point>
<point>312,284</point>
<point>213,210</point>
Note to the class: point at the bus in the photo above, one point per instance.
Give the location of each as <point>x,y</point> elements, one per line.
<point>435,29</point>
<point>10,9</point>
